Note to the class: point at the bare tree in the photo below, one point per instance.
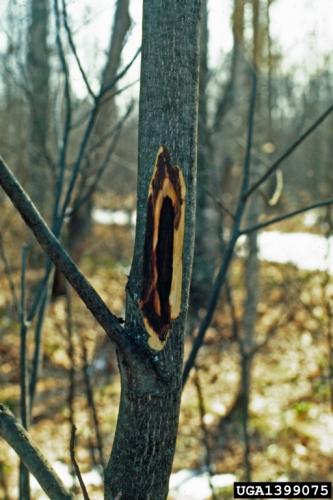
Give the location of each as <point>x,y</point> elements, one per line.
<point>251,275</point>
<point>206,236</point>
<point>150,345</point>
<point>80,222</point>
<point>150,342</point>
<point>157,290</point>
<point>79,225</point>
<point>38,73</point>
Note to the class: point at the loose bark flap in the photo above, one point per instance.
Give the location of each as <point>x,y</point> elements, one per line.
<point>163,250</point>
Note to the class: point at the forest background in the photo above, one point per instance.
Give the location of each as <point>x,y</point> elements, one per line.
<point>258,400</point>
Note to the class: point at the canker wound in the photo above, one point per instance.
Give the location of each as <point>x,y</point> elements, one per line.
<point>163,250</point>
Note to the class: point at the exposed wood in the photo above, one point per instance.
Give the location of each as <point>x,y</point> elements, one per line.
<point>163,254</point>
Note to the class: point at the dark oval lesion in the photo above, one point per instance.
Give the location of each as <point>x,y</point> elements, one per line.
<point>157,268</point>
<point>164,254</point>
<point>162,258</point>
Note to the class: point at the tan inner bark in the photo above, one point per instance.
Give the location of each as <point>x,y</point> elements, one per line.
<point>166,189</point>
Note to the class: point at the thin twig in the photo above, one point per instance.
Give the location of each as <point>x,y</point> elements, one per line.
<point>120,75</point>
<point>81,119</point>
<point>76,466</point>
<point>24,480</point>
<point>229,251</point>
<point>71,358</point>
<point>103,166</point>
<point>37,355</point>
<point>41,300</point>
<point>40,292</point>
<point>86,137</point>
<point>205,433</point>
<point>280,218</point>
<point>91,403</point>
<point>72,46</point>
<point>23,345</point>
<point>289,150</point>
<point>328,305</point>
<point>220,205</point>
<point>59,256</point>
<point>67,123</point>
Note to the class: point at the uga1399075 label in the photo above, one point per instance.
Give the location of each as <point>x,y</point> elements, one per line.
<point>283,490</point>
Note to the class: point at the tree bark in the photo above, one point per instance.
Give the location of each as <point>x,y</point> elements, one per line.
<point>144,445</point>
<point>206,236</point>
<point>251,279</point>
<point>38,73</point>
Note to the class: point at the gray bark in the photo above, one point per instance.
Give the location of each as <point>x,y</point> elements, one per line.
<point>251,279</point>
<point>206,236</point>
<point>38,71</point>
<point>144,445</point>
<point>249,325</point>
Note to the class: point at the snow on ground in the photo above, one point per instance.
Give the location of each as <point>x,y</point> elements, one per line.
<point>304,250</point>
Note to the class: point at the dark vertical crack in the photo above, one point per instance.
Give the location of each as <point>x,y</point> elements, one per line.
<point>164,219</point>
<point>164,253</point>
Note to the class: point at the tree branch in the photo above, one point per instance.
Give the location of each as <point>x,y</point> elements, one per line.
<point>119,75</point>
<point>229,251</point>
<point>288,151</point>
<point>103,166</point>
<point>76,465</point>
<point>89,389</point>
<point>16,436</point>
<point>63,150</point>
<point>24,480</point>
<point>72,46</point>
<point>281,218</point>
<point>60,257</point>
<point>125,339</point>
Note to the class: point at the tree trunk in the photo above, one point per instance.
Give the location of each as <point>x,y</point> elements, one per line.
<point>80,223</point>
<point>251,278</point>
<point>79,227</point>
<point>231,90</point>
<point>206,236</point>
<point>157,291</point>
<point>38,74</point>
